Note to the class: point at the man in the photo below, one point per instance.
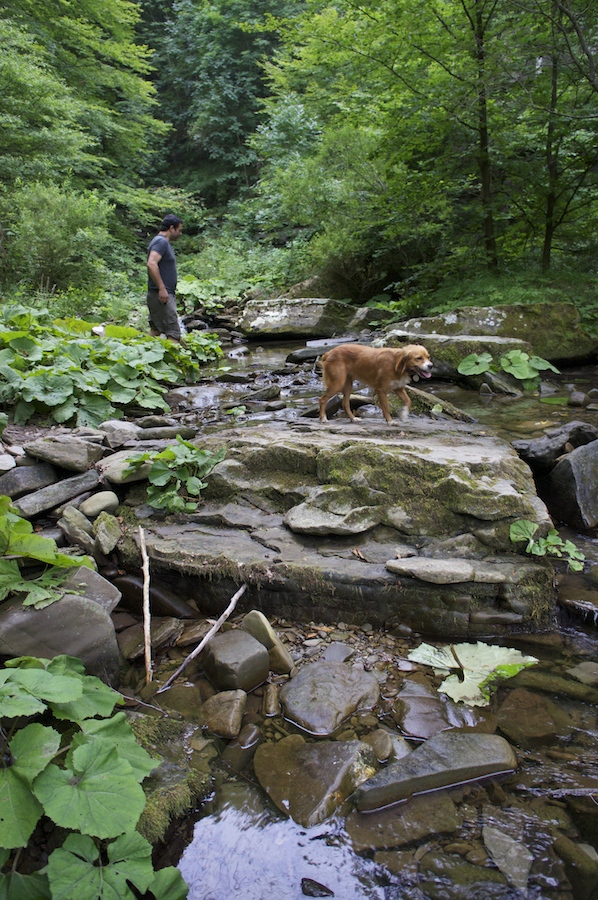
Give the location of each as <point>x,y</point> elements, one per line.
<point>162,279</point>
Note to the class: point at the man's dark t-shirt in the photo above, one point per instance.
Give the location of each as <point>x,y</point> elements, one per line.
<point>167,264</point>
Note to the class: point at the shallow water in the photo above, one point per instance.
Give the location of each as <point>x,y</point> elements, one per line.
<point>242,847</point>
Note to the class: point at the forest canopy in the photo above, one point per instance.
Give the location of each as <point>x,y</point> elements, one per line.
<point>391,148</point>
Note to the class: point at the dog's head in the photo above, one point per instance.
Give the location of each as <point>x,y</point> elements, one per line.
<point>415,361</point>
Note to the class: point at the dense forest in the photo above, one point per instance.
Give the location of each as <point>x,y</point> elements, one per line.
<point>414,153</point>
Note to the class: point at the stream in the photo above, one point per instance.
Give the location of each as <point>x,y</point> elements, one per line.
<point>238,845</point>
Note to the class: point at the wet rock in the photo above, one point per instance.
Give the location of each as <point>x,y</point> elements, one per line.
<point>236,660</point>
<point>25,479</point>
<point>66,452</point>
<point>74,625</point>
<point>446,759</point>
<point>542,453</point>
<point>222,714</point>
<point>184,699</point>
<point>512,857</point>
<point>459,878</point>
<point>241,750</point>
<point>54,494</point>
<point>538,679</point>
<point>163,631</point>
<point>529,719</point>
<point>102,501</point>
<point>311,888</point>
<point>573,497</point>
<point>309,781</point>
<point>381,743</point>
<point>270,392</point>
<point>271,701</point>
<point>581,867</point>
<point>256,624</point>
<point>420,711</point>
<point>414,820</point>
<point>586,672</point>
<point>325,694</point>
<point>106,530</point>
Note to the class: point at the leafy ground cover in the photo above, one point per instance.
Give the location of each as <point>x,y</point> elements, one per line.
<point>67,373</point>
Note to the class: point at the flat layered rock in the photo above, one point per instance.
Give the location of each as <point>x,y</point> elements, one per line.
<point>447,759</point>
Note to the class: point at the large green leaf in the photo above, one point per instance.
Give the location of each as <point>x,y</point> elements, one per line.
<point>119,733</point>
<point>23,690</point>
<point>32,749</point>
<point>10,574</point>
<point>52,390</point>
<point>15,886</point>
<point>20,811</point>
<point>75,870</point>
<point>169,883</point>
<point>95,699</point>
<point>96,793</point>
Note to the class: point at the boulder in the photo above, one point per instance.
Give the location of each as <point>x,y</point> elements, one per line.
<point>235,660</point>
<point>66,452</point>
<point>552,329</point>
<point>309,781</point>
<point>309,516</point>
<point>302,317</point>
<point>572,495</point>
<point>541,454</point>
<point>325,694</point>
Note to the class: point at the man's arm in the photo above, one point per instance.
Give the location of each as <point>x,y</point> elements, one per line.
<point>154,270</point>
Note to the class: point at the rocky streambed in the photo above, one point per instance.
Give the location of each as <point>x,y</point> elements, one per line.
<point>304,723</point>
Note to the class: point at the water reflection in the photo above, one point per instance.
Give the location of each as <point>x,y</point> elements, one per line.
<point>247,851</point>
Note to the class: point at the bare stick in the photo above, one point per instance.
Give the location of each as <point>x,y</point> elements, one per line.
<point>147,618</point>
<point>205,638</point>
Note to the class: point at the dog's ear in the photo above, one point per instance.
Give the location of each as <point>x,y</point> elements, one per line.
<point>402,361</point>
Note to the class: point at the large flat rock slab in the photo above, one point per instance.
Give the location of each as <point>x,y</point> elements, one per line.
<point>363,523</point>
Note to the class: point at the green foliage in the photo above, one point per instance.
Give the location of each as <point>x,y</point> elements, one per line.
<point>176,474</point>
<point>19,541</point>
<point>551,545</point>
<point>63,371</point>
<point>82,768</point>
<point>517,363</point>
<point>57,236</point>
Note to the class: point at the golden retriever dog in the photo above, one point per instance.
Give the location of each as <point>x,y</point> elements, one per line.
<point>385,369</point>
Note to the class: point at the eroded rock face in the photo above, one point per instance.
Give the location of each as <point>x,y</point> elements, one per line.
<point>312,515</point>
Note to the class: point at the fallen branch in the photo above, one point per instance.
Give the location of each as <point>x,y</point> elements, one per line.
<point>205,638</point>
<point>147,617</point>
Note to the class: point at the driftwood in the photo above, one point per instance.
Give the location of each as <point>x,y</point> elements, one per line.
<point>147,617</point>
<point>206,638</point>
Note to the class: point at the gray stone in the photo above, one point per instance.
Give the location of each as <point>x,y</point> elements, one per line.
<point>93,586</point>
<point>106,530</point>
<point>77,518</point>
<point>76,626</point>
<point>323,695</point>
<point>66,451</point>
<point>446,759</point>
<point>102,501</point>
<point>542,453</point>
<point>529,719</point>
<point>586,672</point>
<point>7,462</point>
<point>55,494</point>
<point>415,820</point>
<point>25,479</point>
<point>222,714</point>
<point>296,317</point>
<point>572,487</point>
<point>281,661</point>
<point>309,781</point>
<point>164,631</point>
<point>113,468</point>
<point>235,660</point>
<point>437,571</point>
<point>512,857</point>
